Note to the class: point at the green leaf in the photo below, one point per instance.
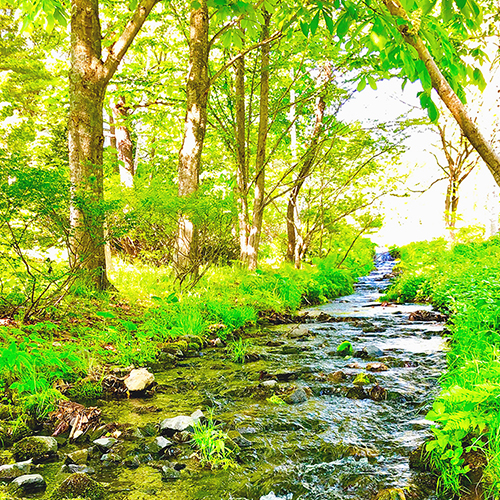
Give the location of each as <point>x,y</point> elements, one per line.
<point>461,4</point>
<point>343,25</point>
<point>361,85</point>
<point>427,6</point>
<point>372,82</point>
<point>479,79</point>
<point>314,24</point>
<point>305,28</point>
<point>328,21</point>
<point>447,10</point>
<point>105,314</point>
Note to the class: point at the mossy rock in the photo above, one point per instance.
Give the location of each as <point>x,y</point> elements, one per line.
<point>86,389</point>
<point>79,485</point>
<point>6,457</point>
<point>9,412</point>
<point>391,494</point>
<point>192,346</point>
<point>364,379</point>
<point>13,431</point>
<point>182,345</point>
<point>39,448</point>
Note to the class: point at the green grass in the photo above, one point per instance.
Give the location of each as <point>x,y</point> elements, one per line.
<point>464,281</point>
<point>89,330</point>
<point>210,441</point>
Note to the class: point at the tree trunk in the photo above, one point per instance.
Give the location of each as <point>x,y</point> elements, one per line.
<point>241,160</point>
<point>112,143</point>
<point>86,95</point>
<point>445,92</point>
<point>294,250</point>
<point>124,144</point>
<point>251,257</point>
<point>186,255</point>
<point>88,79</point>
<point>451,203</point>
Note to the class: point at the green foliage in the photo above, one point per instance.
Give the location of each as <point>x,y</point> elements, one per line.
<point>210,441</point>
<point>463,280</point>
<point>33,206</point>
<point>237,350</point>
<point>276,400</point>
<point>29,365</point>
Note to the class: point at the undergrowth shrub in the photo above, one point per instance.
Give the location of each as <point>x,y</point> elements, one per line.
<point>464,281</point>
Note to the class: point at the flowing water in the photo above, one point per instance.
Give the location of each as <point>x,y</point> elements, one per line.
<point>330,446</point>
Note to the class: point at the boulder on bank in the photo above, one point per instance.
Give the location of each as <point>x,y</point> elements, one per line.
<point>38,448</point>
<point>139,380</point>
<point>79,485</point>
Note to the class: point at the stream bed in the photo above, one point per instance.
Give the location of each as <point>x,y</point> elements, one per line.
<point>337,440</point>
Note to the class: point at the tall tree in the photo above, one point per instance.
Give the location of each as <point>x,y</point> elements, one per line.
<point>252,249</point>
<point>195,124</point>
<point>89,75</point>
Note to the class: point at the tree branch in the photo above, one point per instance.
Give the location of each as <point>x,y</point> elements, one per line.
<point>120,47</point>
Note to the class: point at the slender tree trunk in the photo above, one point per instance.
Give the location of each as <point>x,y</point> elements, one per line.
<point>86,95</point>
<point>241,160</point>
<point>251,257</point>
<point>451,203</point>
<point>112,142</point>
<point>186,255</point>
<point>294,251</point>
<point>124,143</point>
<point>89,76</point>
<point>445,92</point>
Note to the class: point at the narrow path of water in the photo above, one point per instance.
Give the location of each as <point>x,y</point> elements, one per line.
<point>343,442</point>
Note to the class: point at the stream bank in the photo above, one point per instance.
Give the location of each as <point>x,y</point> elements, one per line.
<point>346,431</point>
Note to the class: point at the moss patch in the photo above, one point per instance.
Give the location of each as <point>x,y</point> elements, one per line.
<point>79,485</point>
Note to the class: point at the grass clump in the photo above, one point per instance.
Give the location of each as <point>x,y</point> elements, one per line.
<point>238,349</point>
<point>464,281</point>
<point>210,441</point>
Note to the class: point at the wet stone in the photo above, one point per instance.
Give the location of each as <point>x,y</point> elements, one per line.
<point>105,443</point>
<point>336,377</point>
<point>298,396</point>
<point>391,494</point>
<point>79,485</point>
<point>78,457</point>
<point>27,484</point>
<point>269,383</point>
<point>80,468</point>
<point>372,351</point>
<point>378,393</point>
<point>169,473</point>
<point>11,471</point>
<point>356,392</point>
<point>111,458</point>
<point>170,426</point>
<point>377,367</point>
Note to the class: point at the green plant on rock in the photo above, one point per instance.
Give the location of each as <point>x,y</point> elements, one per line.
<point>211,444</point>
<point>238,349</point>
<point>276,400</point>
<point>345,349</point>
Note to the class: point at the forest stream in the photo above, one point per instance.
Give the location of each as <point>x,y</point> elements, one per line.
<point>332,440</point>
